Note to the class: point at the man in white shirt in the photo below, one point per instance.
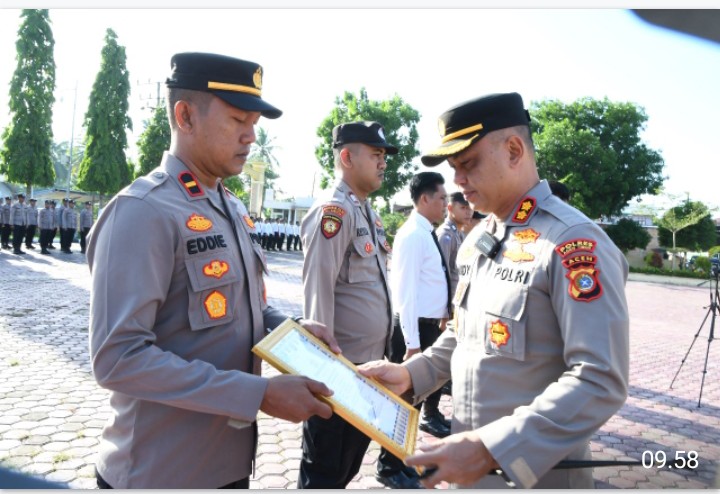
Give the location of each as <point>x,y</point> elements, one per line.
<point>419,284</point>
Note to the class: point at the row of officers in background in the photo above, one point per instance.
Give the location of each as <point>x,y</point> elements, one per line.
<point>23,220</point>
<point>274,233</point>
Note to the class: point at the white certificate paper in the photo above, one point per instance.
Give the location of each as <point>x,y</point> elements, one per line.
<point>363,402</point>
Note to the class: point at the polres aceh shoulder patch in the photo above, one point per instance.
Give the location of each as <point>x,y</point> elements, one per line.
<point>330,225</point>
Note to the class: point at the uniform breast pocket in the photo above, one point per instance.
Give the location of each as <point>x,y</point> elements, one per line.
<point>211,291</point>
<point>505,326</point>
<point>362,264</point>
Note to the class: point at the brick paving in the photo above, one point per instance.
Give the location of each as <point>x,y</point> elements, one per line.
<point>52,412</point>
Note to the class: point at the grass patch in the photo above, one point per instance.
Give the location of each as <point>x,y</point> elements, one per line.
<point>61,457</point>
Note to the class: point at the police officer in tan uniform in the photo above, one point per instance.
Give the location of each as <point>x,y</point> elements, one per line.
<point>45,221</point>
<point>346,287</point>
<point>18,220</point>
<point>450,234</point>
<point>174,315</point>
<point>31,215</point>
<point>86,222</point>
<point>5,226</point>
<point>539,356</point>
<point>69,227</point>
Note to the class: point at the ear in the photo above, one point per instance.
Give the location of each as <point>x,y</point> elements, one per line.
<point>183,113</point>
<point>516,149</point>
<point>345,159</point>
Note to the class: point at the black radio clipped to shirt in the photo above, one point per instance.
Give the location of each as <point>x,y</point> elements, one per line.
<point>488,244</point>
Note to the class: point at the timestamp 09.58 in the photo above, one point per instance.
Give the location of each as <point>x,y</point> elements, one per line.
<point>681,459</point>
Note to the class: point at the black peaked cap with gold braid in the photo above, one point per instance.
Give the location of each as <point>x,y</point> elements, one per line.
<point>468,122</point>
<point>237,82</point>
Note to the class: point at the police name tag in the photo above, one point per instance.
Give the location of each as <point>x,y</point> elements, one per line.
<point>372,408</point>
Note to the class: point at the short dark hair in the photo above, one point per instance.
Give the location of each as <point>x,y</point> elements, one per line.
<point>458,198</point>
<point>560,189</point>
<point>200,98</point>
<point>424,183</point>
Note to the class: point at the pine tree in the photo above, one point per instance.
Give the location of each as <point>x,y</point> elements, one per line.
<point>26,155</point>
<point>104,167</point>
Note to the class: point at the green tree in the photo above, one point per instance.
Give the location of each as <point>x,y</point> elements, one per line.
<point>61,158</point>
<point>154,141</point>
<point>263,150</point>
<point>104,167</point>
<point>400,122</point>
<point>698,236</point>
<point>238,187</point>
<point>628,234</point>
<point>594,147</point>
<point>26,155</point>
<point>676,219</point>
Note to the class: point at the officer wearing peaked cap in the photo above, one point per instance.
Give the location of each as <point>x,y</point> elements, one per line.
<point>31,214</point>
<point>346,287</point>
<point>540,349</point>
<point>171,331</point>
<point>18,220</point>
<point>45,222</point>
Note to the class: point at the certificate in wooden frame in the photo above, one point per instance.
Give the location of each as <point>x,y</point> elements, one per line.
<point>363,402</point>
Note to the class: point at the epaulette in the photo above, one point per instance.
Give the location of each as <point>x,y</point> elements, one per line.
<point>143,185</point>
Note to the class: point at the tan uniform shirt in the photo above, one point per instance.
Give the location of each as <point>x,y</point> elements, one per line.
<point>69,219</point>
<point>345,274</point>
<point>174,313</point>
<point>86,218</point>
<point>46,219</point>
<point>540,356</point>
<point>450,237</point>
<point>5,214</point>
<point>17,214</point>
<point>31,215</point>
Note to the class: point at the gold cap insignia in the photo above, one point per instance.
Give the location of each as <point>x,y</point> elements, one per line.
<point>441,127</point>
<point>257,78</point>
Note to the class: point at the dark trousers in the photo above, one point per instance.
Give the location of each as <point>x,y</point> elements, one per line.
<point>290,241</point>
<point>263,240</point>
<point>52,236</point>
<point>281,240</point>
<point>29,235</point>
<point>239,484</point>
<point>18,237</point>
<point>66,238</point>
<point>333,452</point>
<point>388,463</point>
<point>83,235</point>
<point>297,242</point>
<point>45,237</point>
<point>5,234</point>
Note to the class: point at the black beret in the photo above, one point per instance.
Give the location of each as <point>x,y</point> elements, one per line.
<point>71,201</point>
<point>370,133</point>
<point>237,82</point>
<point>467,122</point>
<point>48,201</point>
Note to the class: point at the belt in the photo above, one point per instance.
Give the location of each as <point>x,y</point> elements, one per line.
<point>425,320</point>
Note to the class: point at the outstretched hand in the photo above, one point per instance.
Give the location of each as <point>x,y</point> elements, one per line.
<point>294,398</point>
<point>395,377</point>
<point>321,331</point>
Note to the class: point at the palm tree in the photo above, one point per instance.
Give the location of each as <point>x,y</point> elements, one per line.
<point>263,150</point>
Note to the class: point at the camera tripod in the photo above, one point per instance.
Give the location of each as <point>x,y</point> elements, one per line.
<point>712,310</point>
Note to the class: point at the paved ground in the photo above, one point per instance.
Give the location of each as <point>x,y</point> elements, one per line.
<point>52,412</point>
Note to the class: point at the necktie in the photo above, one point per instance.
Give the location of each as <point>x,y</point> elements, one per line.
<point>445,271</point>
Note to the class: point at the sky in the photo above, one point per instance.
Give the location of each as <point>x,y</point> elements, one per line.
<point>432,58</point>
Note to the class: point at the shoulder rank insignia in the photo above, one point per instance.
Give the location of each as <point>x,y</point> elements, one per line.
<point>499,333</point>
<point>198,223</point>
<point>330,225</point>
<point>249,222</point>
<point>216,269</point>
<point>336,210</point>
<point>524,210</point>
<point>215,305</point>
<point>190,183</point>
